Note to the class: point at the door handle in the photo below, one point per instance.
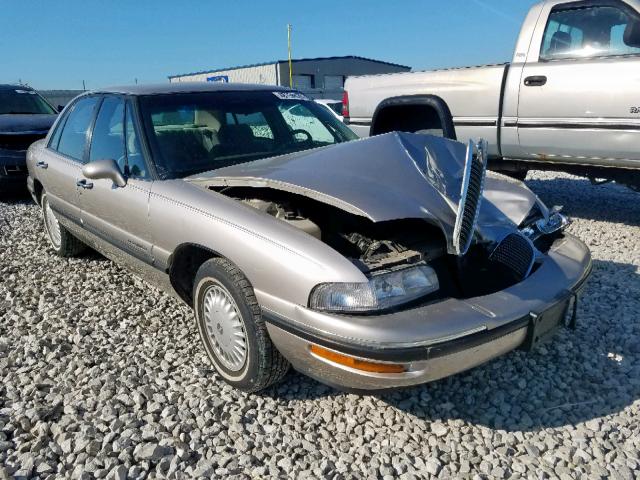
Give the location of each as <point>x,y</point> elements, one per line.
<point>42,164</point>
<point>535,81</point>
<point>84,184</point>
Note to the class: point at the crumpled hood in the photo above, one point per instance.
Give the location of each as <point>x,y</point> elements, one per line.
<point>387,177</point>
<point>40,123</point>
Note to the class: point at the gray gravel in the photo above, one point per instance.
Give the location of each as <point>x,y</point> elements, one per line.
<point>102,376</point>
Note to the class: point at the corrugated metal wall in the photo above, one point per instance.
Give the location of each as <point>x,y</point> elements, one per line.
<point>346,67</point>
<point>262,74</point>
<point>319,69</point>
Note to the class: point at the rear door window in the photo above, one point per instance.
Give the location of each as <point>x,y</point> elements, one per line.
<point>55,138</point>
<point>73,139</point>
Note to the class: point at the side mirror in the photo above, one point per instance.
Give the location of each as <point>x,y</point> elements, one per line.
<point>107,169</point>
<point>60,108</point>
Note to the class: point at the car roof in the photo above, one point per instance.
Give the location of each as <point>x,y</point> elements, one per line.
<point>186,87</point>
<point>7,86</point>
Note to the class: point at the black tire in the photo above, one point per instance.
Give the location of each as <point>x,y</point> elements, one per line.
<point>60,239</point>
<point>263,364</point>
<point>436,132</point>
<point>517,174</point>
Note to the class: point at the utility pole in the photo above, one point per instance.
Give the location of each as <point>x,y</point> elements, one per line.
<point>289,48</point>
<point>83,86</point>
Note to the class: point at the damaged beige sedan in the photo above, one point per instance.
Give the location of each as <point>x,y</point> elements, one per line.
<point>366,264</point>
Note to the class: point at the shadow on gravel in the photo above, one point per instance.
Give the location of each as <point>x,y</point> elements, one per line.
<point>608,203</point>
<point>576,377</point>
<point>16,196</point>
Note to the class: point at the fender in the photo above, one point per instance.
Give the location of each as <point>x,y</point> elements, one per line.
<point>431,101</point>
<point>180,279</point>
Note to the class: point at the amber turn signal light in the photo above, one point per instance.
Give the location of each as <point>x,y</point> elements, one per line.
<point>356,363</point>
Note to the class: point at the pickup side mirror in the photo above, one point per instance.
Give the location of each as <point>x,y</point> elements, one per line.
<point>107,169</point>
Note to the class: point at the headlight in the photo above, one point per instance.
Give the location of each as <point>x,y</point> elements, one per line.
<point>380,292</point>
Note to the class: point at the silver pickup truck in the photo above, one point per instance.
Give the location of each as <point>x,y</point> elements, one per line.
<point>569,100</point>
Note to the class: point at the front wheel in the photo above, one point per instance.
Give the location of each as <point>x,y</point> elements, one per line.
<point>232,330</point>
<point>60,239</point>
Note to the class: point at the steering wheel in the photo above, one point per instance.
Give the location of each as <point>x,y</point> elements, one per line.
<point>309,138</point>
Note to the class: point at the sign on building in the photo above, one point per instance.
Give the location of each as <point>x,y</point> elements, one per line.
<point>219,79</point>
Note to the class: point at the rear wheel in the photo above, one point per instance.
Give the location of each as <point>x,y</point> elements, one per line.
<point>232,330</point>
<point>60,239</point>
<point>414,118</point>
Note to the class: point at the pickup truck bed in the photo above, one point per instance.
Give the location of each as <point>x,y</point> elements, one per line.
<point>568,100</point>
<point>473,93</point>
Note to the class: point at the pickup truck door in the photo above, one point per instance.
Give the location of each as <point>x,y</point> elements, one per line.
<point>60,165</point>
<point>578,99</point>
<point>118,216</point>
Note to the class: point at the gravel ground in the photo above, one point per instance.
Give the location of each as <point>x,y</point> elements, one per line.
<point>103,376</point>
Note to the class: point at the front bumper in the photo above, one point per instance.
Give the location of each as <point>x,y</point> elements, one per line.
<point>432,341</point>
<point>13,170</point>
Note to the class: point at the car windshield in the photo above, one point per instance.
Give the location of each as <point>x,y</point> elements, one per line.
<point>26,102</point>
<point>190,133</point>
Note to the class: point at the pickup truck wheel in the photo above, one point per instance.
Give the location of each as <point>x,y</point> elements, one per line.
<point>232,330</point>
<point>436,132</point>
<point>62,241</point>
<point>518,175</point>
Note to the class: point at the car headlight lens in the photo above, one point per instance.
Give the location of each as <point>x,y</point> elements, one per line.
<point>380,292</point>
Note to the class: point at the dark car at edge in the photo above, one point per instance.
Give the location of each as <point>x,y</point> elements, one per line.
<point>25,117</point>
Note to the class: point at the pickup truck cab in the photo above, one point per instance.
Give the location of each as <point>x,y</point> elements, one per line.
<point>568,100</point>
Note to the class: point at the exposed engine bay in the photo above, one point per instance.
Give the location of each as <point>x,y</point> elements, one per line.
<point>371,247</point>
<point>382,247</point>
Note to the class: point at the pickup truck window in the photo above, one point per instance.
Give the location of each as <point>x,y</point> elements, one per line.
<point>599,31</point>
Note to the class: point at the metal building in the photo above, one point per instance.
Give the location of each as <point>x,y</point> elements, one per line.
<point>318,77</point>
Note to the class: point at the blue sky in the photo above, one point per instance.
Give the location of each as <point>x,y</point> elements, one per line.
<point>57,44</point>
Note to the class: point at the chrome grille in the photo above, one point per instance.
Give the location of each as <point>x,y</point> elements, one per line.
<point>475,170</point>
<point>516,252</point>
